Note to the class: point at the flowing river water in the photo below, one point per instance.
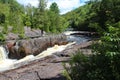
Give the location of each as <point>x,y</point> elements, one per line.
<point>7,64</point>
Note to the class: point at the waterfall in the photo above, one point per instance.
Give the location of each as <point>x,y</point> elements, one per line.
<point>3,53</point>
<point>7,64</point>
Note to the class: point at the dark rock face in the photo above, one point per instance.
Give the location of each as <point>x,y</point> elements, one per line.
<point>22,48</point>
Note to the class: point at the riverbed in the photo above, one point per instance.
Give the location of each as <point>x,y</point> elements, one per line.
<point>8,64</point>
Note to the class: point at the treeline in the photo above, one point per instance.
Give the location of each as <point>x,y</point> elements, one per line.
<point>78,18</point>
<point>16,15</point>
<point>95,15</point>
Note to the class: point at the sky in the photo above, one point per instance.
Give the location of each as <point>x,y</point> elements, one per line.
<point>64,5</point>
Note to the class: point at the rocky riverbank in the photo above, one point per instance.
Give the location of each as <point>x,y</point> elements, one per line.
<point>41,68</point>
<point>33,42</point>
<point>48,68</point>
<point>21,48</point>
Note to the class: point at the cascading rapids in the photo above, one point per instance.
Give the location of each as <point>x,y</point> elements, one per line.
<point>7,64</point>
<point>3,53</point>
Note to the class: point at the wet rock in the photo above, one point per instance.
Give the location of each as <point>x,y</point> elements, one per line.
<point>10,44</point>
<point>47,68</point>
<point>34,46</point>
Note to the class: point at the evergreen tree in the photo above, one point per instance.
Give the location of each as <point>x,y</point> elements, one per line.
<point>40,15</point>
<point>54,17</point>
<point>28,17</point>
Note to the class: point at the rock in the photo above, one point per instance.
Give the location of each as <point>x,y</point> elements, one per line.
<point>10,44</point>
<point>4,77</point>
<point>32,33</point>
<point>12,36</point>
<point>28,32</point>
<point>47,68</point>
<point>34,46</point>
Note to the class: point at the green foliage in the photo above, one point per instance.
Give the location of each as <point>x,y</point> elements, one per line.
<point>2,37</point>
<point>103,64</point>
<point>40,17</point>
<point>57,22</point>
<point>42,5</point>
<point>49,20</point>
<point>28,16</point>
<point>78,18</point>
<point>4,13</point>
<point>16,15</point>
<point>79,64</point>
<point>54,8</point>
<point>105,13</point>
<point>110,42</point>
<point>95,15</point>
<point>11,14</point>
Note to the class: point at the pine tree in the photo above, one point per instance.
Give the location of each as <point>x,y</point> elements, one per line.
<point>54,17</point>
<point>40,15</point>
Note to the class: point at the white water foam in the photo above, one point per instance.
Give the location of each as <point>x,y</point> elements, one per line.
<point>7,64</point>
<point>3,54</point>
<point>67,33</point>
<point>54,49</point>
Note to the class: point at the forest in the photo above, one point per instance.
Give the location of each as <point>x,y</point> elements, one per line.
<point>101,16</point>
<point>95,15</point>
<point>15,15</point>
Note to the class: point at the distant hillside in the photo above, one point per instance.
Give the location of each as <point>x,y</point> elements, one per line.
<point>79,18</point>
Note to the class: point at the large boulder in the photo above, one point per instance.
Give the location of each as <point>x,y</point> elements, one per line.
<point>22,48</point>
<point>32,33</point>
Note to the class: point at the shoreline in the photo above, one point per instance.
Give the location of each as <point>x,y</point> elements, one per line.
<point>49,67</point>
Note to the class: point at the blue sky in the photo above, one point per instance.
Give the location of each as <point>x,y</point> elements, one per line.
<point>64,5</point>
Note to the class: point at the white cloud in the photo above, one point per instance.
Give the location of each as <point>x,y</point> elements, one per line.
<point>64,5</point>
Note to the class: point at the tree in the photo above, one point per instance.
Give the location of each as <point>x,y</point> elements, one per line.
<point>4,1</point>
<point>103,64</point>
<point>54,8</point>
<point>40,15</point>
<point>54,17</point>
<point>79,18</point>
<point>4,13</point>
<point>16,16</point>
<point>28,17</point>
<point>42,5</point>
<point>107,12</point>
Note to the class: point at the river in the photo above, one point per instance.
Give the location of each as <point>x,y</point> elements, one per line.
<point>7,64</point>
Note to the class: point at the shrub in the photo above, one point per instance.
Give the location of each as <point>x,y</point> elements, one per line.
<point>2,37</point>
<point>103,64</point>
